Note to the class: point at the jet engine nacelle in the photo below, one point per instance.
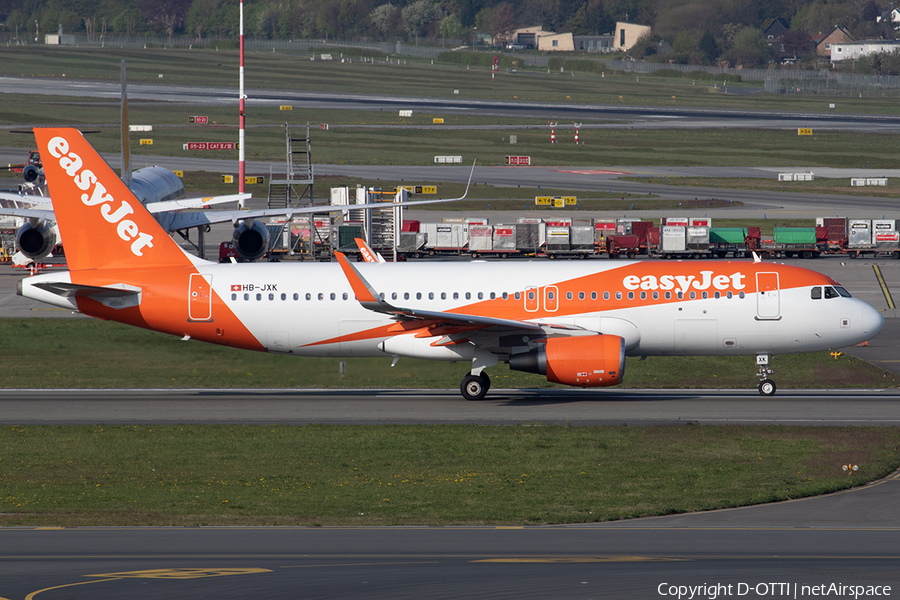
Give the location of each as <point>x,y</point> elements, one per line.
<point>30,173</point>
<point>585,361</point>
<point>251,239</point>
<point>36,239</point>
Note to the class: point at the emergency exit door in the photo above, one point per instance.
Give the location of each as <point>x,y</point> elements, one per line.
<point>200,298</point>
<point>767,298</point>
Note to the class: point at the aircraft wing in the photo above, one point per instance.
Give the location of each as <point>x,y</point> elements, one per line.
<point>9,198</point>
<point>28,213</point>
<point>369,298</point>
<point>197,219</point>
<point>185,203</point>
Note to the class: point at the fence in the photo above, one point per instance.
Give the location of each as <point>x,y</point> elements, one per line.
<point>775,81</point>
<point>783,81</point>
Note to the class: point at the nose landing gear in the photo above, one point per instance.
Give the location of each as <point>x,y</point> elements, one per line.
<point>766,386</point>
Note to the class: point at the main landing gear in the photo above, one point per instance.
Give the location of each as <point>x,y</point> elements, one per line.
<point>766,385</point>
<point>474,387</point>
<point>477,383</point>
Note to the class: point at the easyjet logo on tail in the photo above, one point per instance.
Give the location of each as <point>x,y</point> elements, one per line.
<point>685,282</point>
<point>96,195</point>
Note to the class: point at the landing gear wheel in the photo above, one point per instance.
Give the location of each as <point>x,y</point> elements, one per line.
<point>474,387</point>
<point>767,387</point>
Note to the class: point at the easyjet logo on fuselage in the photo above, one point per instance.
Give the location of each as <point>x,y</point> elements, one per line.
<point>685,282</point>
<point>111,211</point>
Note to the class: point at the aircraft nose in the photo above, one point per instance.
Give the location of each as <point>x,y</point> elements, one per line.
<point>872,321</point>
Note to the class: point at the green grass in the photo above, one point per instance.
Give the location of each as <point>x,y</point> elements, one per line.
<point>185,475</point>
<point>290,70</point>
<point>358,137</point>
<point>80,353</point>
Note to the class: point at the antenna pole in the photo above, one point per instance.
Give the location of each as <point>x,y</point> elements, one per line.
<point>241,166</point>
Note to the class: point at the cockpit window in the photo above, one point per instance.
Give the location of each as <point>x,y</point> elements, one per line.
<point>830,292</point>
<point>815,293</point>
<point>842,292</point>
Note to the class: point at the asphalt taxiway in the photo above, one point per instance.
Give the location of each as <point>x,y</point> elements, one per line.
<point>777,550</point>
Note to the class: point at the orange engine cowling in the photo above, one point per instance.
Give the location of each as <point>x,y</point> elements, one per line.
<point>586,361</point>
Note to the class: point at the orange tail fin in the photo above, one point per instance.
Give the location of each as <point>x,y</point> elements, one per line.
<point>101,222</point>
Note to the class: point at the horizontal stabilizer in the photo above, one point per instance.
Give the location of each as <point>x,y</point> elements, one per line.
<point>70,290</point>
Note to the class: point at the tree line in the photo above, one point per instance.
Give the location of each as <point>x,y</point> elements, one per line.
<point>699,31</point>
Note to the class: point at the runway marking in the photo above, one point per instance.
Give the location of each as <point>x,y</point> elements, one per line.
<point>155,574</point>
<point>564,560</point>
<point>884,288</point>
<point>591,172</point>
<point>181,573</point>
<point>363,564</point>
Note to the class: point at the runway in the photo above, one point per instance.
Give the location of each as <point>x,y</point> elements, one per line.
<point>501,407</point>
<point>659,117</point>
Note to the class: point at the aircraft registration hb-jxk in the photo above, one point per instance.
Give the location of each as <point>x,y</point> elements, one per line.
<point>573,322</point>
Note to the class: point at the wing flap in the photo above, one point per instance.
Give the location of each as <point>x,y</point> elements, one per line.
<point>369,298</point>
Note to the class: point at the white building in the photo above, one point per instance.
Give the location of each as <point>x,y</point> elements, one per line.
<point>854,50</point>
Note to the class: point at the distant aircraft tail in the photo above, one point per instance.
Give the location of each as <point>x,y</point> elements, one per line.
<point>101,222</point>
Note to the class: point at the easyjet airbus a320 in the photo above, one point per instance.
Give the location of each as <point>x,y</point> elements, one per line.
<point>573,321</point>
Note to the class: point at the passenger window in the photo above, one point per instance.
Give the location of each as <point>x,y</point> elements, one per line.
<point>530,296</point>
<point>693,295</point>
<point>418,295</point>
<point>741,295</point>
<point>729,295</point>
<point>593,295</point>
<point>246,296</point>
<point>468,295</point>
<point>705,295</point>
<point>550,295</point>
<point>718,295</point>
<point>296,296</point>
<point>284,296</point>
<point>568,295</point>
<point>393,295</point>
<point>234,296</point>
<point>618,295</point>
<point>259,297</point>
<point>406,295</point>
<point>668,295</point>
<point>643,295</point>
<point>581,295</point>
<point>456,295</point>
<point>816,293</point>
<point>631,295</point>
<point>443,295</point>
<point>680,295</point>
<point>518,295</point>
<point>656,295</point>
<point>332,295</point>
<point>344,296</point>
<point>321,296</point>
<point>493,295</point>
<point>381,295</point>
<point>481,295</point>
<point>309,296</point>
<point>505,296</point>
<point>606,295</point>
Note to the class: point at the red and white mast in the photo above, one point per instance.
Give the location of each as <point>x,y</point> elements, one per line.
<point>241,167</point>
